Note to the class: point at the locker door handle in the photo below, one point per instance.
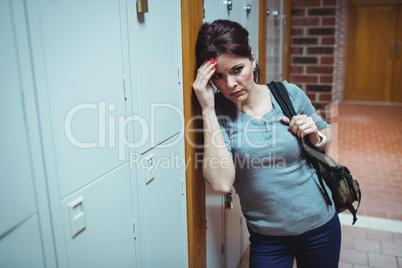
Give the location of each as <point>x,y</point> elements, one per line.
<point>142,6</point>
<point>248,8</point>
<point>274,13</point>
<point>229,200</point>
<point>229,4</point>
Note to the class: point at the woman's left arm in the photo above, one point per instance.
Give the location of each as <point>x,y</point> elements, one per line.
<point>307,122</point>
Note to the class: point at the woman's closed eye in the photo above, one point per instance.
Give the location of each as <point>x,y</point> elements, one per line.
<point>238,69</point>
<point>216,76</point>
<point>235,70</point>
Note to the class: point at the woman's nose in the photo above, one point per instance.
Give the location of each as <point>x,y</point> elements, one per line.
<point>231,81</point>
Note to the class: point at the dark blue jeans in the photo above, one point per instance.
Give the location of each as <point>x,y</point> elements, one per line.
<point>314,249</point>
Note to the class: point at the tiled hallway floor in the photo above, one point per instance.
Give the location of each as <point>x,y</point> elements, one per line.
<point>362,247</point>
<point>369,143</point>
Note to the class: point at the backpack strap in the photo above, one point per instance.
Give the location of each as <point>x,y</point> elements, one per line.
<point>353,211</point>
<point>357,195</point>
<point>281,95</point>
<point>316,165</point>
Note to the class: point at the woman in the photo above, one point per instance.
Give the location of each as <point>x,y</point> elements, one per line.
<point>249,144</point>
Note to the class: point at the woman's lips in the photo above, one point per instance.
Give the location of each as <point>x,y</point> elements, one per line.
<point>236,93</point>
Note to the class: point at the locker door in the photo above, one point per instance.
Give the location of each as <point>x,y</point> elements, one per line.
<point>17,191</point>
<point>79,63</point>
<point>79,58</point>
<point>215,10</point>
<point>237,9</point>
<point>215,213</point>
<point>249,20</point>
<point>228,10</point>
<point>162,200</point>
<point>20,237</point>
<point>244,12</point>
<point>108,239</point>
<point>155,56</point>
<point>22,247</point>
<point>237,238</point>
<point>157,161</point>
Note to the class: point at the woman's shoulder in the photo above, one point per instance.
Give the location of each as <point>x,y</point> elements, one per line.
<point>294,90</point>
<point>296,94</point>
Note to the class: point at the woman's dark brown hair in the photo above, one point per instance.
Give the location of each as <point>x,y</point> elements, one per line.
<point>220,37</point>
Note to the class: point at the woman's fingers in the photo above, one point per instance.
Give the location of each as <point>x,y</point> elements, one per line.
<point>285,120</point>
<point>204,73</point>
<point>202,84</point>
<point>302,125</point>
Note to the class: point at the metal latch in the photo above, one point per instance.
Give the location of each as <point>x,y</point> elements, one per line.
<point>229,200</point>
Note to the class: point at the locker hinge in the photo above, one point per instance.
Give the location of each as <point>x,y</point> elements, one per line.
<point>124,87</point>
<point>24,113</point>
<point>223,249</point>
<point>179,75</point>
<point>182,188</point>
<point>134,235</point>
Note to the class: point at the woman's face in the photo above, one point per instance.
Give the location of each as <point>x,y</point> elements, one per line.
<point>234,76</point>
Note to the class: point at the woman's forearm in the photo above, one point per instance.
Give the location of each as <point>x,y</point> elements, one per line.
<point>218,165</point>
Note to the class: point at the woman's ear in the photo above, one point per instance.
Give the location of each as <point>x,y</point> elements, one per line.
<point>253,60</point>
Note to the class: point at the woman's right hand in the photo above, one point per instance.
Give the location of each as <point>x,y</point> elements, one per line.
<point>202,84</point>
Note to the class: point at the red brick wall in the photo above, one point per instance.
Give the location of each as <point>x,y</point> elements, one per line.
<point>312,48</point>
<point>342,11</point>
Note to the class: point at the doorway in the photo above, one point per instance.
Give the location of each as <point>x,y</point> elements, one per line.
<point>373,64</point>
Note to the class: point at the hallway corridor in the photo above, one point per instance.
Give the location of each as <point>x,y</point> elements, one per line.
<point>370,144</point>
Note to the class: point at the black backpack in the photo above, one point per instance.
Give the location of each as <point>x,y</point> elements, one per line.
<point>345,190</point>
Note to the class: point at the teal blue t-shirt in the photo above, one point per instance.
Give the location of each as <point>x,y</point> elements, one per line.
<point>278,188</point>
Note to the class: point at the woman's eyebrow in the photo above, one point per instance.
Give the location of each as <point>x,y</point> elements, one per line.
<point>236,66</point>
